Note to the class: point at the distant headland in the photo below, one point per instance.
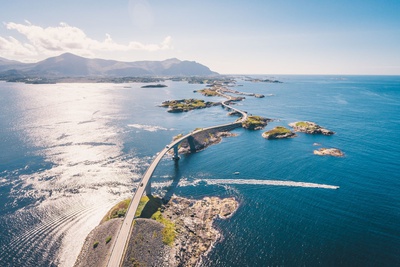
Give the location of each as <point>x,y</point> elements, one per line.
<point>72,68</point>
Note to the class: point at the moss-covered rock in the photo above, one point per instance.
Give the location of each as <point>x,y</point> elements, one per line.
<point>278,132</point>
<point>255,122</point>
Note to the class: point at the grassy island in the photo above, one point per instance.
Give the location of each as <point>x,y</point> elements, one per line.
<point>278,132</point>
<point>255,122</point>
<point>184,105</point>
<point>208,92</point>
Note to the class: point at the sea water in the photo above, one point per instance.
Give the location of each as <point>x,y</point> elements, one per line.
<point>71,151</point>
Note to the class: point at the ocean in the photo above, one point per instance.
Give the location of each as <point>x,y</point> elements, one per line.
<point>69,152</point>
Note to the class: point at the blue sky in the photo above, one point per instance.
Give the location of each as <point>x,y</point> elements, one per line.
<point>247,37</point>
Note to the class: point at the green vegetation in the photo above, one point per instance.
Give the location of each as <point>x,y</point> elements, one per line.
<point>95,244</point>
<point>148,205</point>
<point>176,137</point>
<point>186,104</point>
<point>279,130</point>
<point>108,239</point>
<point>168,232</point>
<point>208,92</point>
<point>117,211</point>
<point>278,133</point>
<point>255,122</point>
<point>302,124</point>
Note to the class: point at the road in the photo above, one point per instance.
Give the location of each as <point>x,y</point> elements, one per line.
<point>117,253</point>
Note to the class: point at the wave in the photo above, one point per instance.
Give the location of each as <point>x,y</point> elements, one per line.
<point>149,128</point>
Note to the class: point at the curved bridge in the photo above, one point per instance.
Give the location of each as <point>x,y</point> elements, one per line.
<point>117,253</point>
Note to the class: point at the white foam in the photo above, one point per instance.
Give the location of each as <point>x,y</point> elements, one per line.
<point>269,182</point>
<point>149,128</point>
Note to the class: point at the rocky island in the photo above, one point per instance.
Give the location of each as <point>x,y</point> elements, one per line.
<point>309,127</point>
<point>185,105</point>
<point>255,122</point>
<point>154,86</point>
<point>278,132</point>
<point>329,152</point>
<point>201,140</point>
<point>173,232</point>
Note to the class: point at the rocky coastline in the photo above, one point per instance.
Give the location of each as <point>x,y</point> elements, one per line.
<point>194,237</point>
<point>202,140</point>
<point>278,132</point>
<point>309,128</point>
<point>329,152</point>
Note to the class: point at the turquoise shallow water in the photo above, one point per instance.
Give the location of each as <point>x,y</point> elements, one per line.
<point>70,151</point>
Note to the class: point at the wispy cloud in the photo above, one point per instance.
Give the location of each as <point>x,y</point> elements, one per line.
<point>39,41</point>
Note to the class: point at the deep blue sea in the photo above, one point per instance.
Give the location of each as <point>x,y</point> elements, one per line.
<point>71,151</point>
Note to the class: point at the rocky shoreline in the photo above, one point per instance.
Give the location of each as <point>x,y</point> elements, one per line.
<point>194,235</point>
<point>278,132</point>
<point>329,152</point>
<point>202,140</point>
<point>309,127</point>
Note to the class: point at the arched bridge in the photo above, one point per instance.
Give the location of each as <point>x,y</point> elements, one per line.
<point>121,242</point>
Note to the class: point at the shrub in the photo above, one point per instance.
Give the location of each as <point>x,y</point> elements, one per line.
<point>95,244</point>
<point>108,239</point>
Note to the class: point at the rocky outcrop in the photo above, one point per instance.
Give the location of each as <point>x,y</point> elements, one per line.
<point>194,226</point>
<point>195,234</point>
<point>255,122</point>
<point>184,105</point>
<point>329,152</point>
<point>278,132</point>
<point>203,140</point>
<point>309,127</point>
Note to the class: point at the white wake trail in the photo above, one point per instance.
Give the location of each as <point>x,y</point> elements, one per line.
<point>269,182</point>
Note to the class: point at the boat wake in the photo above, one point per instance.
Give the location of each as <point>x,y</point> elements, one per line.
<point>255,182</point>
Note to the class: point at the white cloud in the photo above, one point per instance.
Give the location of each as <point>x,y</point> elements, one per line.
<point>43,42</point>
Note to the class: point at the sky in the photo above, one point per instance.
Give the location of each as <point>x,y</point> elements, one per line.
<point>230,37</point>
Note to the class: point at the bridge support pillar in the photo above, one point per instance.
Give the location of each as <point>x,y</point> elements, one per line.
<point>192,146</point>
<point>148,188</point>
<point>176,154</point>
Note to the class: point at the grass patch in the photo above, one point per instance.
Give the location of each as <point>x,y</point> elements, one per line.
<point>279,130</point>
<point>208,92</point>
<point>302,124</point>
<point>148,205</point>
<point>186,104</point>
<point>117,211</point>
<point>168,232</point>
<point>255,122</point>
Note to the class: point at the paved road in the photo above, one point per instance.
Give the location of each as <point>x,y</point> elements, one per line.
<point>121,242</point>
